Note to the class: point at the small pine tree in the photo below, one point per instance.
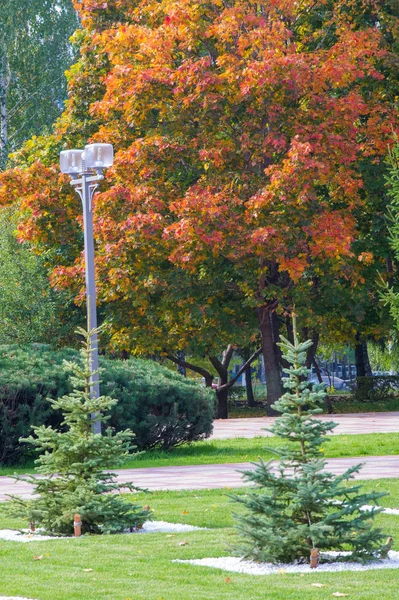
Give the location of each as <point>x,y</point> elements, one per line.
<point>72,464</point>
<point>301,507</point>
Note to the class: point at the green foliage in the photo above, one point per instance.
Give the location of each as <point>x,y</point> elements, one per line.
<point>384,357</point>
<point>34,52</point>
<point>390,295</point>
<point>75,457</point>
<point>301,506</point>
<point>30,310</point>
<point>376,389</point>
<point>161,407</point>
<point>28,377</point>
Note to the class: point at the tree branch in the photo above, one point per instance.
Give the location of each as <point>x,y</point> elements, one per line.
<point>218,365</point>
<point>227,354</point>
<point>250,360</point>
<point>183,363</point>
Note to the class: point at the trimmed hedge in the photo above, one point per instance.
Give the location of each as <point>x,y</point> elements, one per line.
<point>162,408</point>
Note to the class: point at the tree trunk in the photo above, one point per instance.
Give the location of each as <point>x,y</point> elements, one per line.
<point>222,390</point>
<point>311,353</point>
<point>280,361</point>
<point>248,386</point>
<point>367,366</point>
<point>317,369</point>
<point>272,368</point>
<point>222,396</point>
<point>290,331</point>
<point>3,113</point>
<point>181,357</point>
<point>363,368</point>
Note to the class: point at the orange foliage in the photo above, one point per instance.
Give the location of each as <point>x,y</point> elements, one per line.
<point>238,128</point>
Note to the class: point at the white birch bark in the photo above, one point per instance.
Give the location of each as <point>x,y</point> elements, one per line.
<point>4,83</point>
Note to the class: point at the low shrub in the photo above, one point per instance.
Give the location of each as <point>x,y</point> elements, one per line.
<point>160,406</point>
<point>237,393</point>
<point>72,474</point>
<point>375,389</point>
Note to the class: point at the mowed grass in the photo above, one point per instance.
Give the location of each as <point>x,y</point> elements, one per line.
<point>247,450</point>
<point>348,406</point>
<point>250,449</point>
<point>140,567</point>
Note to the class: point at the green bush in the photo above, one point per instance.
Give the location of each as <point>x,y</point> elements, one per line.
<point>160,406</point>
<point>375,389</point>
<point>72,467</point>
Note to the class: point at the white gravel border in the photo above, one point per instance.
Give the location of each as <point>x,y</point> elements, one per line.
<point>11,535</point>
<point>13,598</point>
<point>237,565</point>
<point>387,511</point>
<point>165,527</point>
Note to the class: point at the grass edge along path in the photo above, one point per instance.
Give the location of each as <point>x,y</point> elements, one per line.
<point>248,450</point>
<point>139,567</point>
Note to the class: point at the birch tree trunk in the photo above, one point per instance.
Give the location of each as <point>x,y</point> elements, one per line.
<point>4,83</point>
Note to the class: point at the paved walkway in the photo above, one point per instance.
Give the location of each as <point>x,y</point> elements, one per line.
<point>354,423</point>
<point>216,476</point>
<point>227,475</point>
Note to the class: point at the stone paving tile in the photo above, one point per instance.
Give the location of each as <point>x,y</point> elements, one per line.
<point>351,424</point>
<point>218,475</point>
<point>227,475</point>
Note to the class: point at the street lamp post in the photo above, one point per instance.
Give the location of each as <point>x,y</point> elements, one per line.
<point>85,168</point>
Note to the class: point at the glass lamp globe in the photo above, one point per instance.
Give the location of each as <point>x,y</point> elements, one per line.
<point>99,156</point>
<point>71,161</point>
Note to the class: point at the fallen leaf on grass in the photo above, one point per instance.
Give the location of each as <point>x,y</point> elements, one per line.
<point>319,585</point>
<point>183,543</point>
<point>185,512</point>
<point>38,557</point>
<point>228,580</point>
<point>339,595</point>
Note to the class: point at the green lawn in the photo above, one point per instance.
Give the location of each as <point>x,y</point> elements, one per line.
<point>340,407</point>
<point>249,449</point>
<point>139,567</point>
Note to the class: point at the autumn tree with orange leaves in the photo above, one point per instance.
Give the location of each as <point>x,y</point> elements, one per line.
<point>243,134</point>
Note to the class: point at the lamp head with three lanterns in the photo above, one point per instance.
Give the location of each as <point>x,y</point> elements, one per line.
<point>95,157</point>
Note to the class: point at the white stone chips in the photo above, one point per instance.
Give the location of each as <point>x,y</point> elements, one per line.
<point>164,527</point>
<point>11,535</point>
<point>13,598</point>
<point>237,565</point>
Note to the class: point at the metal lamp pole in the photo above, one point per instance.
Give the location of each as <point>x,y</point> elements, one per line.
<point>85,169</point>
